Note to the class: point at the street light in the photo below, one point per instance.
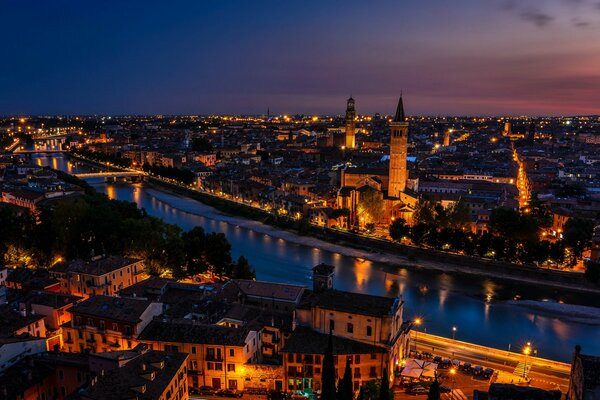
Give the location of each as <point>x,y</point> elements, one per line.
<point>526,351</point>
<point>453,332</point>
<point>417,322</point>
<point>452,374</point>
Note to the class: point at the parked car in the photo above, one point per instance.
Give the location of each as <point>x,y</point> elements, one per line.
<point>416,390</point>
<point>445,389</point>
<point>257,391</point>
<point>437,359</point>
<point>446,363</point>
<point>487,373</point>
<point>477,370</point>
<point>273,395</point>
<point>466,367</point>
<point>229,393</point>
<point>206,391</point>
<point>427,355</point>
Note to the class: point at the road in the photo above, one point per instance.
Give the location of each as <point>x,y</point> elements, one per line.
<point>544,373</point>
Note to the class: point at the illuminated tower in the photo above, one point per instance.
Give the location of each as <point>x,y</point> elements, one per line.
<point>531,133</point>
<point>447,138</point>
<point>507,129</point>
<point>350,141</point>
<point>398,151</point>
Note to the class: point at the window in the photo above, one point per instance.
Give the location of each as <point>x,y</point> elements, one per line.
<point>210,366</point>
<point>299,358</point>
<point>357,359</point>
<point>115,327</point>
<point>373,356</point>
<point>230,367</point>
<point>290,357</point>
<point>231,353</point>
<point>350,328</point>
<point>317,359</point>
<point>331,325</point>
<point>101,324</point>
<point>193,349</point>
<point>61,374</point>
<point>90,322</point>
<point>369,330</point>
<point>77,320</point>
<point>372,372</point>
<point>127,330</point>
<point>219,366</point>
<point>357,372</point>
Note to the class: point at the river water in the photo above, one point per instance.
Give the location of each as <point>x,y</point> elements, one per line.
<point>482,310</point>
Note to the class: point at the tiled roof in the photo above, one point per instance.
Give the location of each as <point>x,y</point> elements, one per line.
<point>98,267</point>
<point>306,341</point>
<point>119,384</point>
<point>117,308</point>
<point>187,331</point>
<point>352,303</point>
<point>277,291</point>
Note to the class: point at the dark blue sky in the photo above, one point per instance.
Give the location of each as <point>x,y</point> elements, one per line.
<point>200,57</point>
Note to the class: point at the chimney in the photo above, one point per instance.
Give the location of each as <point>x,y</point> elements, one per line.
<point>144,366</point>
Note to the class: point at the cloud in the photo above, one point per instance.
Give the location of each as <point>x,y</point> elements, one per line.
<point>579,23</point>
<point>538,17</point>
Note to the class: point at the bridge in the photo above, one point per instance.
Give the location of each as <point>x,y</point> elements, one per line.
<point>23,151</point>
<point>110,174</point>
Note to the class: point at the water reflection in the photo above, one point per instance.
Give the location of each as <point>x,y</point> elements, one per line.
<point>473,304</point>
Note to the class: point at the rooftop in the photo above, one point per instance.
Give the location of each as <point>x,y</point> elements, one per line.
<point>306,341</point>
<point>153,371</point>
<point>353,303</point>
<point>98,267</point>
<point>187,331</point>
<point>117,308</point>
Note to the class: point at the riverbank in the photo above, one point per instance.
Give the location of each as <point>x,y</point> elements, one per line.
<point>361,247</point>
<point>397,255</point>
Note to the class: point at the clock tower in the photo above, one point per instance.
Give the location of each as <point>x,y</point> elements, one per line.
<point>350,125</point>
<point>398,173</point>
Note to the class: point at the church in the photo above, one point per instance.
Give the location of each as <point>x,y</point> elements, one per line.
<point>378,196</point>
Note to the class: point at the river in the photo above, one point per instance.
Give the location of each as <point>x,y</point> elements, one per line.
<point>481,310</point>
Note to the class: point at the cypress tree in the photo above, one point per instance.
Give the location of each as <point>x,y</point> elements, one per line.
<point>384,389</point>
<point>346,386</point>
<point>328,372</point>
<point>434,390</point>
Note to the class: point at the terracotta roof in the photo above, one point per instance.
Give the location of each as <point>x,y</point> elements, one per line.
<point>352,303</point>
<point>117,308</point>
<point>119,384</point>
<point>187,331</point>
<point>98,267</point>
<point>270,290</point>
<point>306,341</point>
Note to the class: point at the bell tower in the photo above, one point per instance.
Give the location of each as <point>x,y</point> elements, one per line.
<point>398,173</point>
<point>350,125</point>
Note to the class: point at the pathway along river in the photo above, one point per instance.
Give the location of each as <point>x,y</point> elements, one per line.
<point>483,311</point>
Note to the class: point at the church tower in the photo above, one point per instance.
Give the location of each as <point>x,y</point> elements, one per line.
<point>350,125</point>
<point>398,173</point>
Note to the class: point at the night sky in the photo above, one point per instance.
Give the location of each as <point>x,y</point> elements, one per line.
<point>450,57</point>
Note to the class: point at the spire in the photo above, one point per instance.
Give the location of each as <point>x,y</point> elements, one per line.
<point>400,117</point>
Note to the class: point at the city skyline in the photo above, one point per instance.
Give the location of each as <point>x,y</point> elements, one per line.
<point>500,58</point>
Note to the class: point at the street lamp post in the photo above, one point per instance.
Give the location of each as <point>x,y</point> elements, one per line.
<point>417,322</point>
<point>452,373</point>
<point>453,332</point>
<point>526,351</point>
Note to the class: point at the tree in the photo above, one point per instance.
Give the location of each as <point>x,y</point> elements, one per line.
<point>459,215</point>
<point>424,212</point>
<point>328,372</point>
<point>399,229</point>
<point>434,390</point>
<point>577,234</point>
<point>345,384</point>
<point>384,389</point>
<point>509,223</point>
<point>243,270</point>
<point>592,271</point>
<point>202,144</point>
<point>370,206</point>
<point>194,245</point>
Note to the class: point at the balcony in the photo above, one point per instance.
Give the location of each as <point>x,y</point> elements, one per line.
<point>214,357</point>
